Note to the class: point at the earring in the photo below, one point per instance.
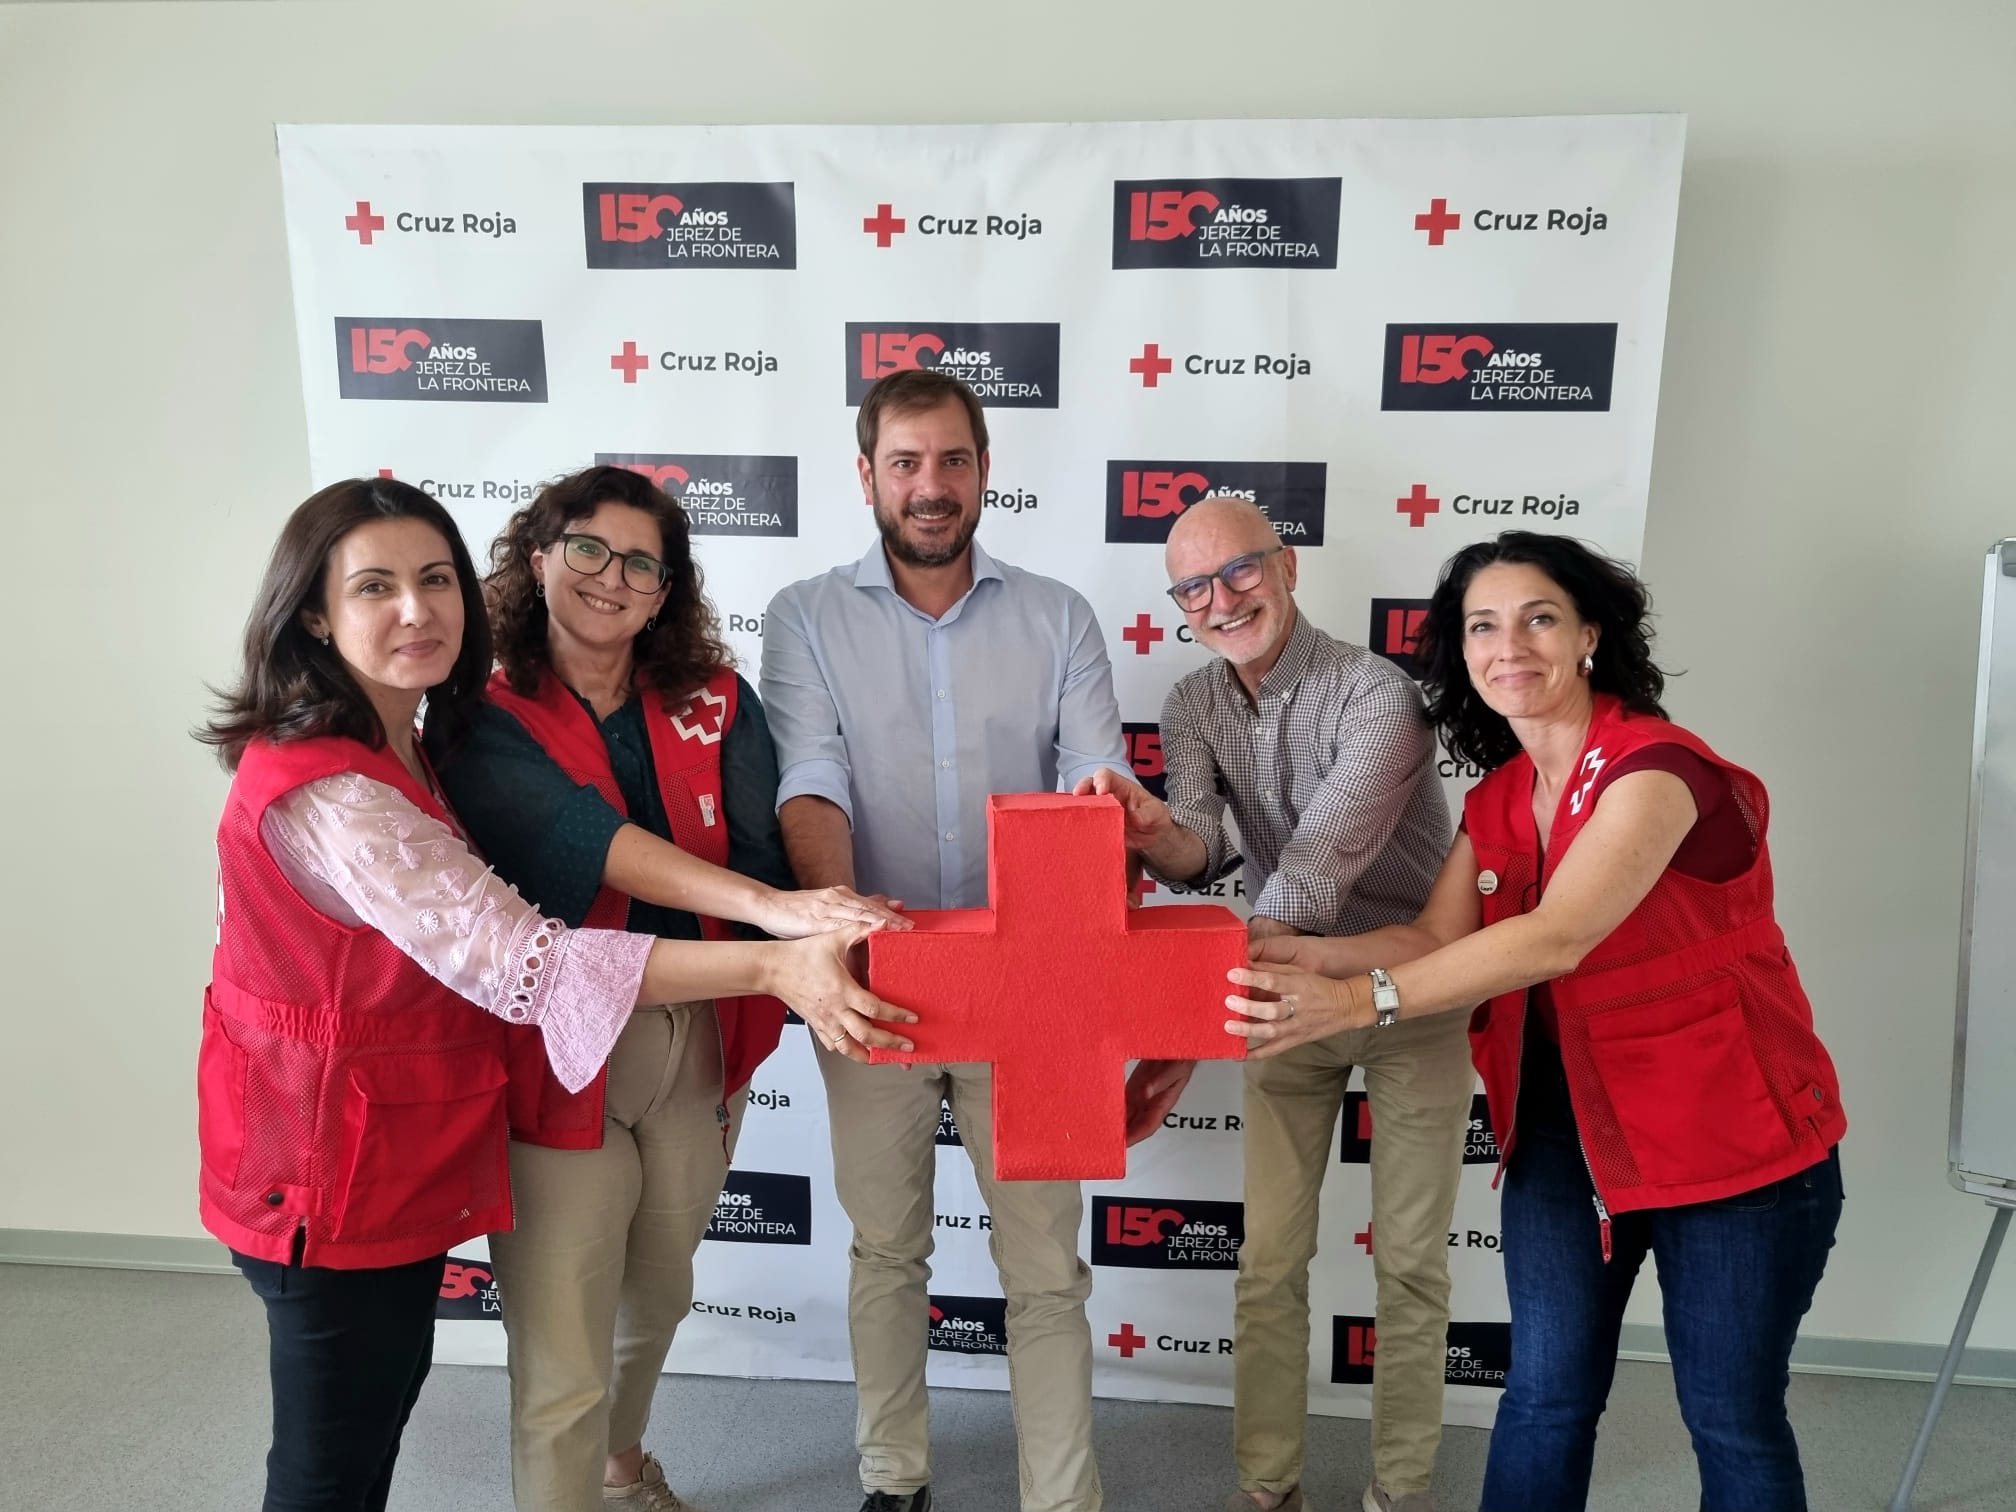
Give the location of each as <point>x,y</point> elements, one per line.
<point>325,640</point>
<point>538,590</point>
<point>1588,664</point>
<point>650,623</point>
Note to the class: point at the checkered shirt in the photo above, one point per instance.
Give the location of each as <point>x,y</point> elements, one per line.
<point>1330,780</point>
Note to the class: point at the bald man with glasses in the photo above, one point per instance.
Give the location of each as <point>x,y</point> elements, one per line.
<point>1320,750</point>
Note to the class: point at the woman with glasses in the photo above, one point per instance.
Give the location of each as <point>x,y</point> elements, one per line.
<point>622,774</point>
<point>351,1079</point>
<point>1655,1082</point>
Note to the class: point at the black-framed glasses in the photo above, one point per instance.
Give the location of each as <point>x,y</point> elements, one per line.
<point>1239,574</point>
<point>588,555</point>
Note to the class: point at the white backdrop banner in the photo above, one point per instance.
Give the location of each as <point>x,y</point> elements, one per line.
<point>1396,337</point>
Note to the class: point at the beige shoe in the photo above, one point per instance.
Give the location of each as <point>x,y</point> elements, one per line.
<point>647,1493</point>
<point>1240,1501</point>
<point>1379,1499</point>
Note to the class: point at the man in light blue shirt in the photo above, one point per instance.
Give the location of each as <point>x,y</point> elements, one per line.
<point>902,690</point>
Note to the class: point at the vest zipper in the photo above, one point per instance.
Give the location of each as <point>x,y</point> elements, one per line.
<point>1596,1196</point>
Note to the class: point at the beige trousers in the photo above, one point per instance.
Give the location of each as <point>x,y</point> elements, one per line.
<point>884,1158</point>
<point>599,1270</point>
<point>1418,1081</point>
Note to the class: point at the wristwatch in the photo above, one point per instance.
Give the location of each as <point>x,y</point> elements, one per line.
<point>1385,998</point>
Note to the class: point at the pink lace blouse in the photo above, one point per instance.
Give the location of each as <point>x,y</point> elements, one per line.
<point>360,852</point>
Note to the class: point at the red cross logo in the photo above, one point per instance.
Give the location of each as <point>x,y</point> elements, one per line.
<point>1144,632</point>
<point>1127,1341</point>
<point>1437,220</point>
<point>1364,1240</point>
<point>629,361</point>
<point>1146,983</point>
<point>384,472</point>
<point>1151,365</point>
<point>884,225</point>
<point>364,223</point>
<point>701,717</point>
<point>1417,505</point>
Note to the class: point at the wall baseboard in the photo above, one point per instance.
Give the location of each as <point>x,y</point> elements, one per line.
<point>1885,1359</point>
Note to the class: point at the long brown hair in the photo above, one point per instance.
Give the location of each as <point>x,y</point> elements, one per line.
<point>291,686</point>
<point>676,655</point>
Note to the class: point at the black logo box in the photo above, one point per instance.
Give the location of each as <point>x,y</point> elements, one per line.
<point>1114,1219</point>
<point>468,1292</point>
<point>773,1199</point>
<point>1145,755</point>
<point>1395,632</point>
<point>1480,1147</point>
<point>1582,355</point>
<point>1026,351</point>
<point>1302,209</point>
<point>991,1337</point>
<point>509,349</point>
<point>764,214</point>
<point>1479,1353</point>
<point>1289,493</point>
<point>761,486</point>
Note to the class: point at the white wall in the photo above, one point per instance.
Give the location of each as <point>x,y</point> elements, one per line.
<point>1832,454</point>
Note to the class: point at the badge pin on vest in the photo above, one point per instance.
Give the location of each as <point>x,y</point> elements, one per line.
<point>1487,882</point>
<point>707,809</point>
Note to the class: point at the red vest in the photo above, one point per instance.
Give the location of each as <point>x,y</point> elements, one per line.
<point>341,1091</point>
<point>1692,1063</point>
<point>686,755</point>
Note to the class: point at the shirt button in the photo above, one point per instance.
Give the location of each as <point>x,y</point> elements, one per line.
<point>947,764</point>
<point>951,834</point>
<point>274,1199</point>
<point>941,692</point>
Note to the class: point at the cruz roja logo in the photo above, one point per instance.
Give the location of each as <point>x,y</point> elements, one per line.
<point>632,360</point>
<point>713,225</point>
<point>1011,364</point>
<point>751,1311</point>
<point>723,495</point>
<point>763,1207</point>
<point>392,357</point>
<point>368,224</point>
<point>1153,1234</point>
<point>1226,223</point>
<point>1129,1342</point>
<point>1439,221</point>
<point>1506,365</point>
<point>454,490</point>
<point>885,225</point>
<point>1479,1354</point>
<point>1418,504</point>
<point>1152,366</point>
<point>969,1325</point>
<point>1143,498</point>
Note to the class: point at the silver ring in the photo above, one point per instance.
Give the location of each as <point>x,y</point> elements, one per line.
<point>1291,1008</point>
<point>837,1040</point>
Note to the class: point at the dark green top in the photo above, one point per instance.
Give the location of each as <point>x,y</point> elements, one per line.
<point>549,836</point>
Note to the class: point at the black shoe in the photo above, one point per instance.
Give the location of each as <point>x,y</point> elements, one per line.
<point>889,1501</point>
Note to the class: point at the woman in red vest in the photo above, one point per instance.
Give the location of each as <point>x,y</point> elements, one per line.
<point>351,1080</point>
<point>623,774</point>
<point>1655,1083</point>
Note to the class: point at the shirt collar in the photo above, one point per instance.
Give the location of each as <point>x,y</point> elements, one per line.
<point>1298,654</point>
<point>872,571</point>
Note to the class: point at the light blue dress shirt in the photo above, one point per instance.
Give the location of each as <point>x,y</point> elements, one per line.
<point>909,723</point>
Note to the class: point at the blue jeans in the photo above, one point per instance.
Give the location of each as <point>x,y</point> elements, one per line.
<point>1736,1276</point>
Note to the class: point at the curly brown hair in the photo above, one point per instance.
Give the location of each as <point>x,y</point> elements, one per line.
<point>675,655</point>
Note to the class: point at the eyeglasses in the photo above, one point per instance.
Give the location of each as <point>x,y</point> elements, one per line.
<point>588,555</point>
<point>1239,574</point>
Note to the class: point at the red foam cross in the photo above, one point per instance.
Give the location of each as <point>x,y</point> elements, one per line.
<point>1059,984</point>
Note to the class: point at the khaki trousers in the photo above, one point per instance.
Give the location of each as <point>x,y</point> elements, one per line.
<point>1418,1081</point>
<point>598,1273</point>
<point>884,1159</point>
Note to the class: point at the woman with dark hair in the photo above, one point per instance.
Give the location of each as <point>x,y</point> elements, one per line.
<point>1654,1079</point>
<point>623,774</point>
<point>351,1080</point>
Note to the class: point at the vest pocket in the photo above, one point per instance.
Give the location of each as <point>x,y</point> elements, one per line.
<point>220,1098</point>
<point>1684,1083</point>
<point>419,1132</point>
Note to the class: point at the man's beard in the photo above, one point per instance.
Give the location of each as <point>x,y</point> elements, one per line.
<point>904,551</point>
